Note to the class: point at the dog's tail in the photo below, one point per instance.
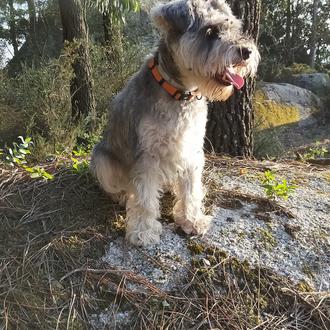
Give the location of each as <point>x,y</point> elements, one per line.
<point>108,171</point>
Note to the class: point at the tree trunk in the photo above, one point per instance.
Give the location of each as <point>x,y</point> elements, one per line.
<point>229,129</point>
<point>33,22</point>
<point>295,12</point>
<point>112,39</point>
<point>288,34</point>
<point>12,27</point>
<point>75,32</point>
<point>312,54</point>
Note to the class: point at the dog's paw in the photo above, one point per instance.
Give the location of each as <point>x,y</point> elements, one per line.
<point>146,237</point>
<point>196,227</point>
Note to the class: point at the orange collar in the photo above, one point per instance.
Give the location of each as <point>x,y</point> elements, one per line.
<point>170,89</point>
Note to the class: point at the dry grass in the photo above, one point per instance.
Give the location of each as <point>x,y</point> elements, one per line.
<point>48,230</point>
<point>51,277</point>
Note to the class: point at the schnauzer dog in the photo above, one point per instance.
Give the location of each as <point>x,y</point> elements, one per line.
<point>157,122</point>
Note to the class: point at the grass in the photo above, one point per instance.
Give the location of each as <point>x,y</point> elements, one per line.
<point>48,230</point>
<point>53,235</point>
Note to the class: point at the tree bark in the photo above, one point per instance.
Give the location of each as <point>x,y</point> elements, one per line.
<point>75,32</point>
<point>312,55</point>
<point>12,27</point>
<point>112,39</point>
<point>230,126</point>
<point>33,22</point>
<point>288,34</point>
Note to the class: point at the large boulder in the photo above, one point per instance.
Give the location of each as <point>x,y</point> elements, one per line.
<point>278,104</point>
<point>318,83</point>
<point>286,117</point>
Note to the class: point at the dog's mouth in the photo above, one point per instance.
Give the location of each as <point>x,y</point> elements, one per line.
<point>229,77</point>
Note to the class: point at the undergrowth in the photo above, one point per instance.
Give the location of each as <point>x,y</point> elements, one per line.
<point>275,187</point>
<point>317,151</point>
<point>39,96</point>
<point>16,156</point>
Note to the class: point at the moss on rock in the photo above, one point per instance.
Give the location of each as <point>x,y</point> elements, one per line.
<point>269,113</point>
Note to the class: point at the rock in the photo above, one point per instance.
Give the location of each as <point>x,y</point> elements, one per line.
<point>293,241</point>
<point>278,104</point>
<point>318,83</point>
<point>287,117</point>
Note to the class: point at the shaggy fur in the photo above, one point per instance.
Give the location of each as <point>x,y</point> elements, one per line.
<point>154,141</point>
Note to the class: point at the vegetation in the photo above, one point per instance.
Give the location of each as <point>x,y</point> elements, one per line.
<point>38,172</point>
<point>35,83</point>
<point>276,188</point>
<point>41,95</point>
<point>318,151</point>
<point>286,36</point>
<point>16,155</point>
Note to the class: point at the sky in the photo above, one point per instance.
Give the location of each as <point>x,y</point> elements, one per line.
<point>7,50</point>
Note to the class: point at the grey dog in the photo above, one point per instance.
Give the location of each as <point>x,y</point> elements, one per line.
<point>157,122</point>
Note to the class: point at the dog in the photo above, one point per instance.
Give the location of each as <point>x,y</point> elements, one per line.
<point>157,122</point>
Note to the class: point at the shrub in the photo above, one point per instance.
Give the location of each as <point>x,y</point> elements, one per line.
<point>16,154</point>
<point>317,151</point>
<point>41,96</point>
<point>286,73</point>
<point>276,188</point>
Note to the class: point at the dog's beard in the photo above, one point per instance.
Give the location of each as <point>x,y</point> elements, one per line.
<point>217,87</point>
<point>216,79</point>
<point>214,91</point>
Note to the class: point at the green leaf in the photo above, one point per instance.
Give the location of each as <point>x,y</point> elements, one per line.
<point>28,169</point>
<point>21,138</point>
<point>48,176</point>
<point>165,303</point>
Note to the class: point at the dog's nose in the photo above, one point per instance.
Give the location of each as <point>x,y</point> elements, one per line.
<point>245,53</point>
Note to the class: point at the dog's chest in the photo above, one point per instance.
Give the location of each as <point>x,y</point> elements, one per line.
<point>174,132</point>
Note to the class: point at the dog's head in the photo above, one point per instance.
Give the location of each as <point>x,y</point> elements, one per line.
<point>207,45</point>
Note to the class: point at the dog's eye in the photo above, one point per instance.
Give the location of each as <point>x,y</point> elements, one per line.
<point>213,32</point>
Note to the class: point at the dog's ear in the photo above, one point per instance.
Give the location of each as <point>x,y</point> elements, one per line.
<point>175,16</point>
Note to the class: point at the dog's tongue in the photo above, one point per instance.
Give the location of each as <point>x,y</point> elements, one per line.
<point>235,79</point>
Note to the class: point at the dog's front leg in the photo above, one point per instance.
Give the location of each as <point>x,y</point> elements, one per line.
<point>142,206</point>
<point>188,209</point>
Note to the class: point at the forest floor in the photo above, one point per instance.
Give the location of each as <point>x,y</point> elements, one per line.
<point>264,263</point>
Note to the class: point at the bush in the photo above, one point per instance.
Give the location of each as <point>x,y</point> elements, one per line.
<point>272,71</point>
<point>286,73</point>
<point>40,96</point>
<point>110,77</point>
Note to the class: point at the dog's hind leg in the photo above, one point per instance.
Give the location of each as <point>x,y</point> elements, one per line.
<point>142,206</point>
<point>110,173</point>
